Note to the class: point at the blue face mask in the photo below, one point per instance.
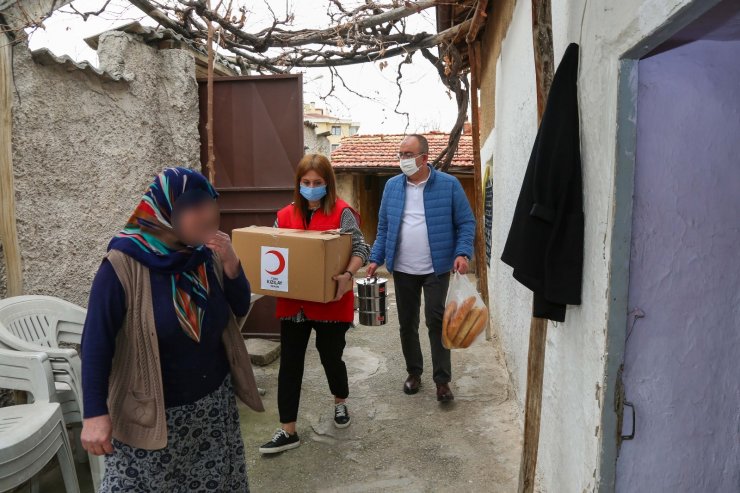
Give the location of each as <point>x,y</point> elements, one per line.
<point>313,194</point>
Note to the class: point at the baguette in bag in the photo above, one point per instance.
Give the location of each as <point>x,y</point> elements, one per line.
<point>465,314</point>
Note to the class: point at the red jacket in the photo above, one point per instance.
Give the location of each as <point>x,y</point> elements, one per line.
<point>334,311</point>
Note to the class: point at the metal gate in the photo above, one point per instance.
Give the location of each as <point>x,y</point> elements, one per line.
<point>258,141</point>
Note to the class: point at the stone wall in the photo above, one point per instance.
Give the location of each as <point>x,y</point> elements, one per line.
<point>85,146</point>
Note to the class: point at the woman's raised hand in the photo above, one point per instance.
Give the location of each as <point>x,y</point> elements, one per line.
<point>220,243</point>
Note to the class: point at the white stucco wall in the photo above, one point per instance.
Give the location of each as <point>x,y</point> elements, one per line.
<point>510,145</point>
<point>570,437</point>
<point>84,150</point>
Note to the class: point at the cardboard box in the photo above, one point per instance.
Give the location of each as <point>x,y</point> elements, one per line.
<point>292,263</point>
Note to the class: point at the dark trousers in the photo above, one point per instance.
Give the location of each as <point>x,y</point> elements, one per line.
<point>330,342</point>
<point>408,302</point>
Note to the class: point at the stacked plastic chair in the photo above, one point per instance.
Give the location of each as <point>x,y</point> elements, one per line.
<point>31,435</point>
<point>41,324</point>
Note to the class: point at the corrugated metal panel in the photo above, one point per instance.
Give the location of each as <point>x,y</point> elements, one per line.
<point>44,56</point>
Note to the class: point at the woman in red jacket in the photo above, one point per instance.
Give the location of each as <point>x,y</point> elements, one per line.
<point>316,207</point>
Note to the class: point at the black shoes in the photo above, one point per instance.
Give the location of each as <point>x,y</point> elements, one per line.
<point>444,394</point>
<point>341,415</point>
<point>412,384</point>
<point>280,442</point>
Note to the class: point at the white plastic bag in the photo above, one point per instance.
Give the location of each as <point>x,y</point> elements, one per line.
<point>465,314</point>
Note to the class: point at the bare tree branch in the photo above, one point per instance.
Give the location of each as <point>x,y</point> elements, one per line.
<point>448,66</point>
<point>86,15</point>
<point>368,31</point>
<point>400,91</point>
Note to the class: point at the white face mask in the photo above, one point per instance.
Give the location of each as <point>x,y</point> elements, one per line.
<point>408,166</point>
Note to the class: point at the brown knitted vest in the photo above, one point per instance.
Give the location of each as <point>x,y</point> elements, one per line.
<point>135,395</point>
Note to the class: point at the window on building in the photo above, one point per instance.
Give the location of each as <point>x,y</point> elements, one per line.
<point>353,130</point>
<point>334,147</point>
<point>336,130</point>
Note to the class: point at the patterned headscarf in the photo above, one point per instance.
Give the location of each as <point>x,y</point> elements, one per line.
<point>149,237</point>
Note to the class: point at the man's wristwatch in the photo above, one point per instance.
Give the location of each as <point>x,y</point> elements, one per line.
<point>350,274</point>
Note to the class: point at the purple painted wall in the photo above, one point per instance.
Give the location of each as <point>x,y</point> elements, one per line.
<point>682,359</point>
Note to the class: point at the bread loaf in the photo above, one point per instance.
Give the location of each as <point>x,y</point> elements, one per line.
<point>446,340</point>
<point>449,312</point>
<point>467,324</point>
<point>477,328</point>
<point>459,317</point>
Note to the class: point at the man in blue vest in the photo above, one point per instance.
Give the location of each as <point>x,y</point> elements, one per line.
<point>425,230</point>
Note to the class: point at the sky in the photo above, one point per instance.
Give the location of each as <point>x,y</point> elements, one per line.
<point>424,97</point>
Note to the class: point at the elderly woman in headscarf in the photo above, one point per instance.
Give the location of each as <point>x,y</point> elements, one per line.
<point>162,352</point>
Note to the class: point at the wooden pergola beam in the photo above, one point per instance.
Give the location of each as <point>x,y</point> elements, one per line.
<point>8,231</point>
<point>481,264</point>
<point>211,165</point>
<point>543,51</point>
<point>543,61</point>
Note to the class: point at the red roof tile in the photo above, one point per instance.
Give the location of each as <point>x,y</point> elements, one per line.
<point>380,150</point>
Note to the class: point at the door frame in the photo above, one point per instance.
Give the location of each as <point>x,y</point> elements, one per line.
<point>621,227</point>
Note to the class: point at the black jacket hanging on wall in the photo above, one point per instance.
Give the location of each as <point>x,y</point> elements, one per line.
<point>545,243</point>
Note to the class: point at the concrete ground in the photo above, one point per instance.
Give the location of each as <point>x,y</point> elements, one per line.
<point>396,443</point>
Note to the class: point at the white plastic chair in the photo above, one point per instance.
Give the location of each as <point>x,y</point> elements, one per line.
<point>32,434</point>
<point>41,323</point>
<point>68,399</point>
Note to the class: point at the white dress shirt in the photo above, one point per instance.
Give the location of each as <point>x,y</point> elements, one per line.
<point>413,255</point>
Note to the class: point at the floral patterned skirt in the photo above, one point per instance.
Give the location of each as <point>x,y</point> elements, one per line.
<point>205,452</point>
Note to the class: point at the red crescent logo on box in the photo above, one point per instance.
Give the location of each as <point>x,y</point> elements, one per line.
<point>281,261</point>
